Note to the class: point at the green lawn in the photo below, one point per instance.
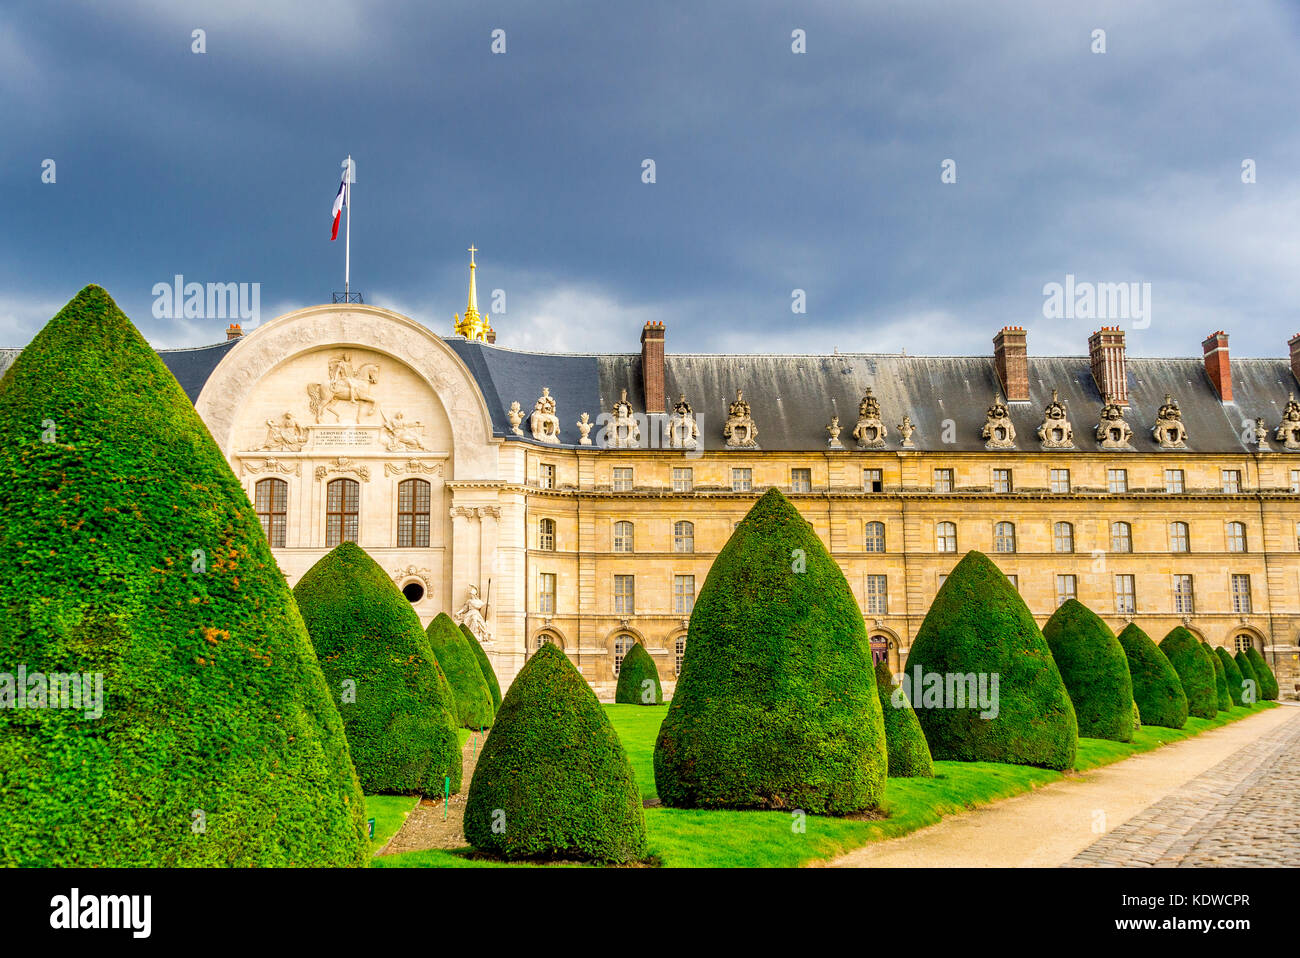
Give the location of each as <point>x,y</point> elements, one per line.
<point>686,838</point>
<point>388,811</point>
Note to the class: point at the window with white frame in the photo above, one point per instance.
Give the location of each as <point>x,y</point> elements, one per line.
<point>1001,480</point>
<point>875,537</point>
<point>624,536</point>
<point>546,593</point>
<point>1121,537</point>
<point>801,480</point>
<point>1183,603</point>
<point>1295,481</point>
<point>1174,482</point>
<point>1178,538</point>
<point>683,594</point>
<point>546,475</point>
<point>1117,480</point>
<point>1004,537</point>
<point>1236,536</point>
<point>683,536</point>
<point>877,603</point>
<point>624,594</point>
<point>679,653</point>
<point>1125,597</point>
<point>873,480</point>
<point>1063,537</point>
<point>1231,481</point>
<point>622,479</point>
<point>941,579</point>
<point>1066,589</point>
<point>1014,580</point>
<point>622,646</point>
<point>945,537</point>
<point>546,535</point>
<point>943,480</point>
<point>742,480</point>
<point>683,479</point>
<point>1060,480</point>
<point>1241,594</point>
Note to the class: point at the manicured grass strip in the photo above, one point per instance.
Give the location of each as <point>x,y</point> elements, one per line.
<point>389,812</point>
<point>637,727</point>
<point>1095,752</point>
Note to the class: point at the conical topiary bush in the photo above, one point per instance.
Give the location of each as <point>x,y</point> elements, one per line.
<point>553,780</point>
<point>638,679</point>
<point>1157,690</point>
<point>485,666</point>
<point>1222,698</point>
<point>978,630</point>
<point>473,700</point>
<point>396,704</point>
<point>130,552</point>
<point>1268,686</point>
<point>1252,690</point>
<point>776,705</point>
<point>909,755</point>
<point>1236,689</point>
<point>1194,672</point>
<point>1095,671</point>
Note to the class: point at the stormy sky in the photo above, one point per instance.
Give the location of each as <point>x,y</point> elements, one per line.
<point>775,171</point>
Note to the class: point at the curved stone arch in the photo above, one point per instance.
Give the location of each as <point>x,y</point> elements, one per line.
<point>893,642</point>
<point>680,633</point>
<point>364,327</point>
<point>1230,640</point>
<point>560,638</point>
<point>1197,633</point>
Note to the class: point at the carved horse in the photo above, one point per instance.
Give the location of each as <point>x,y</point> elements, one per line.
<point>345,385</point>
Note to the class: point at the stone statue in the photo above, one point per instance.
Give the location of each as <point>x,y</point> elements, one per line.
<point>739,429</point>
<point>1261,435</point>
<point>346,385</point>
<point>834,430</point>
<point>1288,430</point>
<point>400,434</point>
<point>1056,431</point>
<point>870,431</point>
<point>584,426</point>
<point>622,431</point>
<point>998,430</point>
<point>516,416</point>
<point>683,433</point>
<point>905,429</point>
<point>473,614</point>
<point>544,423</point>
<point>1169,430</point>
<point>1112,431</point>
<point>285,433</point>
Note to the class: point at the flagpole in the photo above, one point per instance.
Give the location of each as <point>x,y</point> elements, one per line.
<point>347,240</point>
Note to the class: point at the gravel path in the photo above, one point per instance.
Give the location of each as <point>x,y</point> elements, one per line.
<point>425,827</point>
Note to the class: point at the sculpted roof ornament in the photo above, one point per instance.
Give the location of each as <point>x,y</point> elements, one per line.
<point>998,431</point>
<point>1288,430</point>
<point>906,429</point>
<point>1056,431</point>
<point>870,432</point>
<point>1169,430</point>
<point>585,426</point>
<point>622,431</point>
<point>739,429</point>
<point>834,430</point>
<point>683,432</point>
<point>1112,431</point>
<point>544,423</point>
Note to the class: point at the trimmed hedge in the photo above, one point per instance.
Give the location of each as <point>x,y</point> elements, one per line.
<point>1222,698</point>
<point>1137,717</point>
<point>1269,688</point>
<point>638,679</point>
<point>1236,691</point>
<point>1194,671</point>
<point>553,780</point>
<point>397,707</point>
<point>776,705</point>
<point>979,626</point>
<point>1157,689</point>
<point>129,550</point>
<point>485,666</point>
<point>464,674</point>
<point>1095,671</point>
<point>909,754</point>
<point>1256,690</point>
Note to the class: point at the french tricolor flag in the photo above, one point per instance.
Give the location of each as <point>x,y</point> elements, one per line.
<point>339,202</point>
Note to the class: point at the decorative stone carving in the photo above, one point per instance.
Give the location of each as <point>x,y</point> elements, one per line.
<point>484,512</point>
<point>344,465</point>
<point>544,423</point>
<point>1112,431</point>
<point>1056,431</point>
<point>622,431</point>
<point>461,512</point>
<point>516,416</point>
<point>998,431</point>
<point>256,466</point>
<point>285,433</point>
<point>740,430</point>
<point>412,572</point>
<point>347,385</point>
<point>834,430</point>
<point>1288,430</point>
<point>584,426</point>
<point>473,615</point>
<point>400,434</point>
<point>870,432</point>
<point>412,467</point>
<point>1169,430</point>
<point>906,429</point>
<point>1261,436</point>
<point>683,432</point>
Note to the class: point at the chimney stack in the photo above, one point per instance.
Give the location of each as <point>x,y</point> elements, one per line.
<point>1294,343</point>
<point>1106,352</point>
<point>652,367</point>
<point>234,331</point>
<point>1216,364</point>
<point>1011,355</point>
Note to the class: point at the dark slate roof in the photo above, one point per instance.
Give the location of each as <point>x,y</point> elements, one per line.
<point>191,367</point>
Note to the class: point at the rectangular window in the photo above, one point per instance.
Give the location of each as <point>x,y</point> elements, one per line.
<point>272,497</point>
<point>341,500</point>
<point>1014,580</point>
<point>683,479</point>
<point>1067,587</point>
<point>546,475</point>
<point>624,594</point>
<point>943,577</point>
<point>1001,480</point>
<point>1117,480</point>
<point>1241,594</point>
<point>801,480</point>
<point>683,594</point>
<point>943,480</point>
<point>1178,537</point>
<point>1174,481</point>
<point>873,480</point>
<point>742,480</point>
<point>622,479</point>
<point>1183,604</point>
<point>1060,480</point>
<point>413,514</point>
<point>1295,481</point>
<point>877,603</point>
<point>1231,481</point>
<point>1125,599</point>
<point>624,537</point>
<point>546,593</point>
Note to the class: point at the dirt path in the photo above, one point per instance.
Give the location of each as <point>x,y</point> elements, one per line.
<point>1051,825</point>
<point>425,827</point>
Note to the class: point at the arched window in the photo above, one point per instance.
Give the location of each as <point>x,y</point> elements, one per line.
<point>683,536</point>
<point>945,537</point>
<point>622,646</point>
<point>875,537</point>
<point>1004,537</point>
<point>623,537</point>
<point>342,497</point>
<point>546,535</point>
<point>413,514</point>
<point>1063,537</point>
<point>879,649</point>
<point>679,651</point>
<point>1121,537</point>
<point>1236,537</point>
<point>272,503</point>
<point>1178,537</point>
<point>1243,641</point>
<point>545,638</point>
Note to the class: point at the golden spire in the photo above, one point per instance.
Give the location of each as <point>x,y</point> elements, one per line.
<point>474,326</point>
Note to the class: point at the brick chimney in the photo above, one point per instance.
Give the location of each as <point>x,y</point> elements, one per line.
<point>1216,364</point>
<point>234,331</point>
<point>1106,352</point>
<point>1294,343</point>
<point>652,367</point>
<point>1011,355</point>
